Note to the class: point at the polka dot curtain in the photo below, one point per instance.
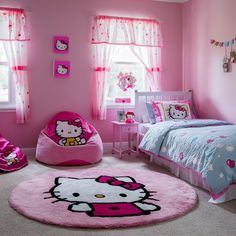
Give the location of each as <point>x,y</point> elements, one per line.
<point>15,36</point>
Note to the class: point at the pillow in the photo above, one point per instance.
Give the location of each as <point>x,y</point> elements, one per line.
<point>171,111</point>
<point>151,114</point>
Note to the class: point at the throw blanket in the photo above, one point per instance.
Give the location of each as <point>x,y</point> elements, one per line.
<point>207,146</point>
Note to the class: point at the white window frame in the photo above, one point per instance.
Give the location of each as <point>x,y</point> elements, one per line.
<point>11,103</point>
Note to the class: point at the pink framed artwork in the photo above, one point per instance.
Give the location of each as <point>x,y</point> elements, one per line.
<point>61,69</point>
<point>61,44</point>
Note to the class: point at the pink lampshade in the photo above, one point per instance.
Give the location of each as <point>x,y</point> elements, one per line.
<point>123,100</point>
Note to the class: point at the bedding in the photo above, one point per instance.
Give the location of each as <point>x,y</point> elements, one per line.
<point>207,147</point>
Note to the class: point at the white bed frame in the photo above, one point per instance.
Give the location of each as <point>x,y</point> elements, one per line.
<point>142,97</point>
<point>140,107</point>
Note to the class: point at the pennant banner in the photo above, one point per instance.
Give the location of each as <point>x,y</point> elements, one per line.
<point>223,44</point>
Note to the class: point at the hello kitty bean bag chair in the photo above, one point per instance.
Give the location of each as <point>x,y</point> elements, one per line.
<point>11,157</point>
<point>68,139</point>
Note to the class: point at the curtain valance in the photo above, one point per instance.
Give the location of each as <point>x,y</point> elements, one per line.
<point>126,31</point>
<point>13,25</point>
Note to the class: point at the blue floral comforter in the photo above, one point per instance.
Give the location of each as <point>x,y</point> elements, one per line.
<point>207,146</point>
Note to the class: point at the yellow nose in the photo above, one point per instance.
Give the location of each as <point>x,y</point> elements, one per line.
<point>99,196</point>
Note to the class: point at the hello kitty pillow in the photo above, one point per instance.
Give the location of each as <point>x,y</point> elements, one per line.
<point>171,111</point>
<point>69,129</point>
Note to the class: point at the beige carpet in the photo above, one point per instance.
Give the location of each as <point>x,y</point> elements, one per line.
<point>206,219</point>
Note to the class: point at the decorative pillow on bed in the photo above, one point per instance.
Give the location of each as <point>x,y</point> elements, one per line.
<point>151,115</point>
<point>171,111</point>
<point>69,129</point>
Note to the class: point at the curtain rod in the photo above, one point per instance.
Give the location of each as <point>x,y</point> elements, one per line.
<point>15,9</point>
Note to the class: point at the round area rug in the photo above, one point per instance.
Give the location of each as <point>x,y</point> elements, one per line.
<point>103,198</point>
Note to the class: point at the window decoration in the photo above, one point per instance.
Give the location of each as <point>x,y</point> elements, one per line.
<point>15,37</point>
<point>61,44</point>
<point>126,81</point>
<point>142,36</point>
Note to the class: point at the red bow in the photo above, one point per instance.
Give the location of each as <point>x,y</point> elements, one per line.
<point>113,181</point>
<point>179,108</point>
<point>73,122</point>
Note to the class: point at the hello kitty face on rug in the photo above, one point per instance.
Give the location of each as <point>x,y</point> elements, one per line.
<point>62,70</point>
<point>11,159</point>
<point>70,132</point>
<point>104,196</point>
<point>61,45</point>
<point>177,112</point>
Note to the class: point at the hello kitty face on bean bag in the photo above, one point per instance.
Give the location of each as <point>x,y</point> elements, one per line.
<point>69,129</point>
<point>61,45</point>
<point>104,196</point>
<point>177,112</point>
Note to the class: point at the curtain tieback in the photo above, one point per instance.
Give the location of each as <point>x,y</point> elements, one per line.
<point>153,69</point>
<point>102,69</point>
<point>16,68</point>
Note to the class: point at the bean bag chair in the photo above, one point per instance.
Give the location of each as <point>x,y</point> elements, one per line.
<point>11,157</point>
<point>68,139</point>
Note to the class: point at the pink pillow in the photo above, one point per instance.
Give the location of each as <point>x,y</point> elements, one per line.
<point>171,110</point>
<point>69,129</point>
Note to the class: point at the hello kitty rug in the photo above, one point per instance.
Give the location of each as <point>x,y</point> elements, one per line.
<point>103,198</point>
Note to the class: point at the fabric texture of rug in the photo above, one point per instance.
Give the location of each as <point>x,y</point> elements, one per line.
<point>103,198</point>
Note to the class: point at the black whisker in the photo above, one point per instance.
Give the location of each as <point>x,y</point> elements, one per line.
<point>142,192</point>
<point>152,191</point>
<point>59,200</point>
<point>53,191</point>
<point>153,199</point>
<point>48,197</point>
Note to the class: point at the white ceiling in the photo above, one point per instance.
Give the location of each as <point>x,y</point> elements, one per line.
<point>178,1</point>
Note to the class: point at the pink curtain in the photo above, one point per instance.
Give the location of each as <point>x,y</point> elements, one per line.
<point>15,36</point>
<point>144,38</point>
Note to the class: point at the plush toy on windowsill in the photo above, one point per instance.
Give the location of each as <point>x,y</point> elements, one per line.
<point>129,117</point>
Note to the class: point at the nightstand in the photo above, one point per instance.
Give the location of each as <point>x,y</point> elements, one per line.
<point>121,129</point>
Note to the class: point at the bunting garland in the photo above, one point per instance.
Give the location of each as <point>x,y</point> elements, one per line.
<point>223,44</point>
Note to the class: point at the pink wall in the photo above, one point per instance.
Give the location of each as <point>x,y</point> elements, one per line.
<point>73,18</point>
<point>214,90</point>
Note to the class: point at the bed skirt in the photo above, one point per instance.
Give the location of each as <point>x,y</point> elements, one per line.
<point>194,178</point>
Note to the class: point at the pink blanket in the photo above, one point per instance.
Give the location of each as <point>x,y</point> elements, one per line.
<point>11,157</point>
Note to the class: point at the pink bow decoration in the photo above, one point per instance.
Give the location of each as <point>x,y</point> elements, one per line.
<point>179,108</point>
<point>113,181</point>
<point>73,122</point>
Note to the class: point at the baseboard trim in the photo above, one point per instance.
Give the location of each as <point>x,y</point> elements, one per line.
<point>107,148</point>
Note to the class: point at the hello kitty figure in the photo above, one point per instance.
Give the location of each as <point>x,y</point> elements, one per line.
<point>62,70</point>
<point>11,159</point>
<point>104,196</point>
<point>61,45</point>
<point>177,112</point>
<point>70,132</point>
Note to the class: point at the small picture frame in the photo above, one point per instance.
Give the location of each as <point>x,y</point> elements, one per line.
<point>61,69</point>
<point>61,44</point>
<point>121,116</point>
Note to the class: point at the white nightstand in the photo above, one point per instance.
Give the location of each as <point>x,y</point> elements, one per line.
<point>119,129</point>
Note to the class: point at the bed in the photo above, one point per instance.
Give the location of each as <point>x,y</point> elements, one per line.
<point>200,151</point>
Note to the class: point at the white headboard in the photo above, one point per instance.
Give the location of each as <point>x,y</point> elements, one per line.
<point>142,97</point>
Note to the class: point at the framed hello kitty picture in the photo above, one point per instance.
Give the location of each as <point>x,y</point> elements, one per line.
<point>61,44</point>
<point>61,69</point>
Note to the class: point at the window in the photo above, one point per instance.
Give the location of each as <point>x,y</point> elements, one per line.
<point>124,61</point>
<point>122,44</point>
<point>7,89</point>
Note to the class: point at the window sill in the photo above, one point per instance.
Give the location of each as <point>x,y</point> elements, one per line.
<point>118,106</point>
<point>7,109</point>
